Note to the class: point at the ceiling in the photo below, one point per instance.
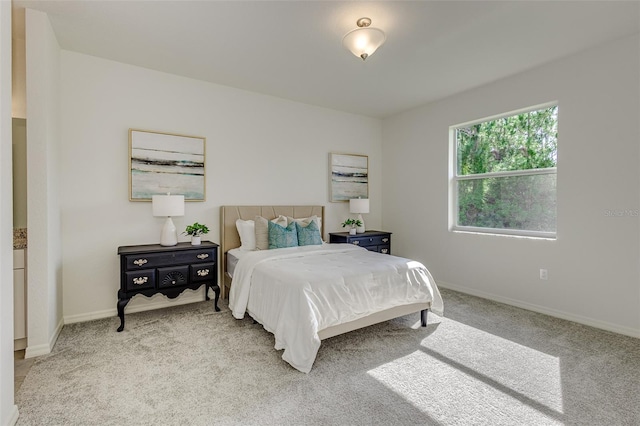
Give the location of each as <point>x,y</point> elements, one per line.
<point>293,49</point>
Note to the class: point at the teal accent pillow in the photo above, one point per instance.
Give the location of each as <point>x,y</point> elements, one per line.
<point>308,235</point>
<point>281,237</point>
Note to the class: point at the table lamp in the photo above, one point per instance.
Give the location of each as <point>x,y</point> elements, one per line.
<point>167,206</point>
<point>359,206</point>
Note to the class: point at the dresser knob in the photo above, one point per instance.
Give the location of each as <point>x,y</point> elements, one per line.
<point>202,256</point>
<point>385,240</point>
<point>356,242</point>
<point>140,262</point>
<point>384,251</point>
<point>203,272</point>
<point>140,280</point>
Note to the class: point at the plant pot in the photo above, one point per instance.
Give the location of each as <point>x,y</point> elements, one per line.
<point>196,241</point>
<point>352,231</point>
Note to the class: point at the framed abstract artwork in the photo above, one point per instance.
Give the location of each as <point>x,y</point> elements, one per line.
<point>161,163</point>
<point>349,174</point>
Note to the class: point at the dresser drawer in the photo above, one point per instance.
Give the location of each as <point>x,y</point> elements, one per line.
<point>140,280</point>
<point>203,271</point>
<point>174,276</point>
<point>371,241</point>
<point>378,241</point>
<point>385,240</point>
<point>140,261</point>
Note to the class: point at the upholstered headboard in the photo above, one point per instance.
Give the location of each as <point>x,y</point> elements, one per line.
<point>229,233</point>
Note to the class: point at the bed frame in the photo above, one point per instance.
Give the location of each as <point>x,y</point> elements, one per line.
<point>230,239</point>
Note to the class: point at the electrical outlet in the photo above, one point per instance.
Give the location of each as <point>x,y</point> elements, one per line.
<point>543,274</point>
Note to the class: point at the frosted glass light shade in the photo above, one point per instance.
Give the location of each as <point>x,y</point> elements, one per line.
<point>168,205</point>
<point>359,205</point>
<point>363,42</point>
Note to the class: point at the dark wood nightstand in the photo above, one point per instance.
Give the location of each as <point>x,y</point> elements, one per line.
<point>379,241</point>
<point>152,268</point>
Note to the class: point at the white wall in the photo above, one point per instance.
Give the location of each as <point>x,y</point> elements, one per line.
<point>19,157</point>
<point>19,113</point>
<point>44,254</point>
<point>18,67</point>
<point>260,150</point>
<point>8,409</point>
<point>594,263</point>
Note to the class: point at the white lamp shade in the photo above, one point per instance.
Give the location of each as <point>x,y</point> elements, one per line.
<point>168,205</point>
<point>363,42</point>
<point>359,205</point>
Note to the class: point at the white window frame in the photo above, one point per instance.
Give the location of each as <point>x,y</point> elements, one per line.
<point>454,178</point>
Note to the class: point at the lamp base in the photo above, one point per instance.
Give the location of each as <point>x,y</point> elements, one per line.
<point>168,237</point>
<point>360,229</point>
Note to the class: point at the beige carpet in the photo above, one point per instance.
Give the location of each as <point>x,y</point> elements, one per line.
<point>483,364</point>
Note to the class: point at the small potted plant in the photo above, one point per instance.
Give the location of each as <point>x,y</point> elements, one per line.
<point>353,223</point>
<point>197,230</point>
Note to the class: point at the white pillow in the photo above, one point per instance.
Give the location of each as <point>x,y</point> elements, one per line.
<point>304,221</point>
<point>262,230</point>
<point>247,232</point>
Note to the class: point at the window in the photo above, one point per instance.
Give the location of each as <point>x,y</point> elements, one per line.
<point>504,174</point>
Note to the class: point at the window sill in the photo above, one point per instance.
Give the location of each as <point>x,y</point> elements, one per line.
<point>530,235</point>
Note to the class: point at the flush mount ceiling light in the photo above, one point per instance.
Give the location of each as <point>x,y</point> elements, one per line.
<point>364,40</point>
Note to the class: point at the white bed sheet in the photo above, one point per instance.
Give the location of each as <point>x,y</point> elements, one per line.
<point>296,292</point>
<point>233,256</point>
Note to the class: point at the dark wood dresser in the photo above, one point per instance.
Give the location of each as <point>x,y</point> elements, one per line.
<point>152,268</point>
<point>379,241</point>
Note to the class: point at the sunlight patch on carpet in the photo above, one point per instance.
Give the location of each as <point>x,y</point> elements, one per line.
<point>501,378</point>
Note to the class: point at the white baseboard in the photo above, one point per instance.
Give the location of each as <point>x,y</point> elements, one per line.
<point>19,344</point>
<point>90,316</point>
<point>185,298</point>
<point>43,349</point>
<point>36,350</point>
<point>13,417</point>
<point>627,331</point>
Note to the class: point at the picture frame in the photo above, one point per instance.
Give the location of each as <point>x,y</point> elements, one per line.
<point>348,176</point>
<point>161,163</point>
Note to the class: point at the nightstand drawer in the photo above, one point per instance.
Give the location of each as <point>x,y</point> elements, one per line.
<point>173,276</point>
<point>140,280</point>
<point>203,271</point>
<point>370,241</point>
<point>158,259</point>
<point>378,241</point>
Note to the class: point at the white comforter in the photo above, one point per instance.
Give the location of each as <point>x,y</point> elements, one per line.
<point>296,292</point>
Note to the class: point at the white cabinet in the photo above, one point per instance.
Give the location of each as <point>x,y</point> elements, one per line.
<point>19,300</point>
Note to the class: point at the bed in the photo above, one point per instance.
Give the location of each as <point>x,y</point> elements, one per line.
<point>306,294</point>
